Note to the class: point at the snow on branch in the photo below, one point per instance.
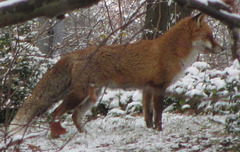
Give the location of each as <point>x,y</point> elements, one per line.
<point>215,8</point>
<point>16,11</point>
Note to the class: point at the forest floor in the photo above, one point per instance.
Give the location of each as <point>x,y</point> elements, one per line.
<point>183,133</point>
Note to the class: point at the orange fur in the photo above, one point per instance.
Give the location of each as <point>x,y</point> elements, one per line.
<point>57,129</point>
<point>92,94</point>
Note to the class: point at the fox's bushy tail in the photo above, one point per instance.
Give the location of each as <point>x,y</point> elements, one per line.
<point>51,88</point>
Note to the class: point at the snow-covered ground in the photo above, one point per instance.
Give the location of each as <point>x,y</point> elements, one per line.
<point>126,133</point>
<point>123,131</point>
<point>119,131</point>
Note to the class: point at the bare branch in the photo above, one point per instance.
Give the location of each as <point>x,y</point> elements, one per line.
<point>24,10</point>
<point>216,9</point>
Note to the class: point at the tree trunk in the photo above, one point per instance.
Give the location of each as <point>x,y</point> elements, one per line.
<point>160,16</point>
<point>51,38</point>
<point>235,48</point>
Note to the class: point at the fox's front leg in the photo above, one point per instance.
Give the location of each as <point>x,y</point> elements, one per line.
<point>158,98</point>
<point>147,106</point>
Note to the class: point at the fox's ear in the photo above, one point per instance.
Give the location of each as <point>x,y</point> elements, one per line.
<point>199,18</point>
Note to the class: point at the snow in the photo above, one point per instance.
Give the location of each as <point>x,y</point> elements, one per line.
<point>194,92</point>
<point>186,106</point>
<point>205,2</point>
<point>217,1</point>
<point>116,112</point>
<point>10,2</point>
<point>218,83</point>
<point>230,14</point>
<point>115,96</point>
<point>201,65</point>
<point>180,133</point>
<point>133,106</point>
<point>199,78</point>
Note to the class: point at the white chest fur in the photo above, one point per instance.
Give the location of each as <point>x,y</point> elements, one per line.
<point>186,62</point>
<point>198,46</point>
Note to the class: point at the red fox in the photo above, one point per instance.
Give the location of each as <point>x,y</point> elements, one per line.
<point>151,65</point>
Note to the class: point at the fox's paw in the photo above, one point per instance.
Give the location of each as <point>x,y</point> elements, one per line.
<point>57,130</point>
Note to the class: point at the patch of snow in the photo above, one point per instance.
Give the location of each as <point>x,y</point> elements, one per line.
<point>114,103</point>
<point>179,90</point>
<point>192,70</point>
<point>201,65</point>
<point>123,96</point>
<point>10,2</point>
<point>194,92</point>
<point>133,107</point>
<point>186,106</point>
<point>219,83</point>
<point>116,112</point>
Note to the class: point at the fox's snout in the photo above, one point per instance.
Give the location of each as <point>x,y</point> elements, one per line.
<point>213,47</point>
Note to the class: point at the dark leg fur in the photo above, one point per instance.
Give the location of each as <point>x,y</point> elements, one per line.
<point>153,104</point>
<point>147,107</point>
<point>158,108</point>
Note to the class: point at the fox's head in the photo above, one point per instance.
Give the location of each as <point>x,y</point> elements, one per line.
<point>202,36</point>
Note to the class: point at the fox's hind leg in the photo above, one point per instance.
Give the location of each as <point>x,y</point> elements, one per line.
<point>84,107</point>
<point>69,103</point>
<point>79,113</point>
